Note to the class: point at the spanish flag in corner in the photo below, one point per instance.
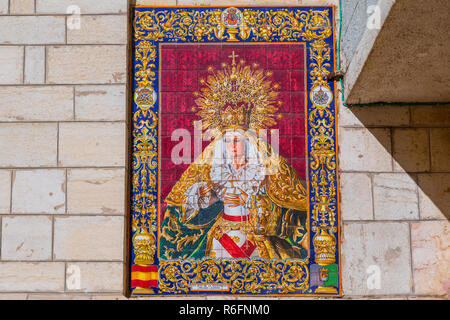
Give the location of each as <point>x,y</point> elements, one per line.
<point>144,276</point>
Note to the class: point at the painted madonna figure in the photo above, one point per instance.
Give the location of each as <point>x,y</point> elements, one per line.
<point>239,199</point>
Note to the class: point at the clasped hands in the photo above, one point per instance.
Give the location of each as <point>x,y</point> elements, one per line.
<point>235,200</point>
<point>230,199</point>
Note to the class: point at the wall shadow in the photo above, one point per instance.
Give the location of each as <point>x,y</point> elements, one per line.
<point>419,145</point>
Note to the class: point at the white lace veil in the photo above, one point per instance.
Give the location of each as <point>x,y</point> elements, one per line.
<point>221,167</point>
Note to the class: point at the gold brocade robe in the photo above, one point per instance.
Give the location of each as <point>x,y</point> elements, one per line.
<point>281,231</point>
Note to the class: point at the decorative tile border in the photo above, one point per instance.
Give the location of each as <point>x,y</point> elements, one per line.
<point>317,275</point>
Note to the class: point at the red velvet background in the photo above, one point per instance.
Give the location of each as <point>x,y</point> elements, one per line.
<point>182,66</point>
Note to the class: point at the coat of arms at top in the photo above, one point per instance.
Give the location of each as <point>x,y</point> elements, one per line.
<point>233,174</point>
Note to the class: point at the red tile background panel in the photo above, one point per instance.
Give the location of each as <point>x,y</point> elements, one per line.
<point>182,67</point>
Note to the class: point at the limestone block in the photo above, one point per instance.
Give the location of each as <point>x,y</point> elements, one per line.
<point>32,276</point>
<point>13,296</point>
<point>365,150</point>
<point>96,191</point>
<point>395,116</point>
<point>434,195</point>
<point>4,5</point>
<point>32,30</point>
<point>34,65</point>
<point>102,29</point>
<point>395,197</point>
<point>88,238</point>
<point>39,191</point>
<point>100,103</point>
<point>27,238</point>
<point>96,276</point>
<point>11,64</point>
<point>92,144</point>
<point>21,7</point>
<point>87,64</point>
<point>40,103</point>
<point>28,144</point>
<point>431,257</point>
<point>109,297</point>
<point>436,116</point>
<point>371,246</point>
<point>411,150</point>
<point>86,6</point>
<point>5,191</point>
<point>356,196</point>
<point>354,18</point>
<point>58,296</point>
<point>440,149</point>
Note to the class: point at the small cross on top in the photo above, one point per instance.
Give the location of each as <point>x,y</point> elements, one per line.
<point>233,56</point>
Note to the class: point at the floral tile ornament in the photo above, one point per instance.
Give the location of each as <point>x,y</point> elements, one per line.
<point>233,182</point>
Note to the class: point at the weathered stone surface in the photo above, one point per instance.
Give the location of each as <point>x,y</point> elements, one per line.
<point>107,29</point>
<point>351,30</point>
<point>395,116</point>
<point>87,64</point>
<point>97,276</point>
<point>11,64</point>
<point>427,116</point>
<point>365,150</point>
<point>27,238</point>
<point>21,6</point>
<point>40,103</point>
<point>431,257</point>
<point>32,276</point>
<point>384,245</point>
<point>395,197</point>
<point>32,30</point>
<point>411,150</point>
<point>108,297</point>
<point>434,195</point>
<point>100,103</point>
<point>28,144</point>
<point>440,149</point>
<point>39,191</point>
<point>356,196</point>
<point>34,65</point>
<point>92,144</point>
<point>56,296</point>
<point>88,238</point>
<point>86,6</point>
<point>4,6</point>
<point>13,296</point>
<point>377,74</point>
<point>5,191</point>
<point>97,191</point>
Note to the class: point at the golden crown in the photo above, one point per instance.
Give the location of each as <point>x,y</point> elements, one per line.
<point>238,96</point>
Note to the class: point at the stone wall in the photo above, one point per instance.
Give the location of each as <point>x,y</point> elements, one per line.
<point>62,142</point>
<point>395,198</point>
<point>63,150</point>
